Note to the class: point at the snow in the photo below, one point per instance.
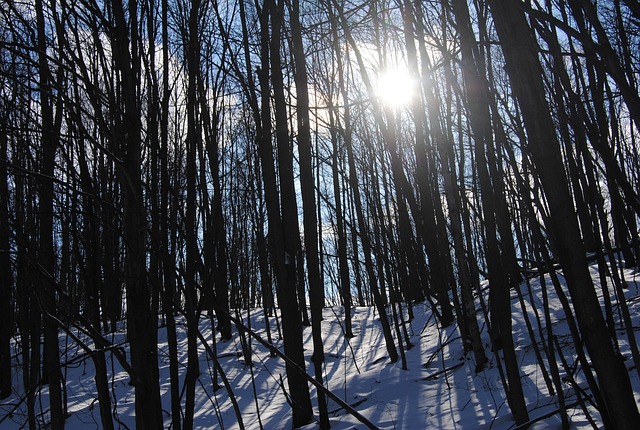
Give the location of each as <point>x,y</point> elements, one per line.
<point>439,389</point>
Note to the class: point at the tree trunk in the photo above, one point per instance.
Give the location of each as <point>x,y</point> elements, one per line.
<point>191,280</point>
<point>46,247</point>
<point>283,239</point>
<point>343,262</point>
<point>310,220</point>
<point>525,72</point>
<point>142,324</point>
<point>6,275</point>
<point>168,261</point>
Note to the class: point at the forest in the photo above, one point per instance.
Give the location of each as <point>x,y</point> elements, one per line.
<point>171,169</point>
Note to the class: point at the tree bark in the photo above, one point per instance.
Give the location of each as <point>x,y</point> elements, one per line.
<point>142,324</point>
<point>310,219</point>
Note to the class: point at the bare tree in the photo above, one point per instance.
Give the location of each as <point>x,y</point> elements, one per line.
<point>526,79</point>
<point>308,203</point>
<point>142,324</point>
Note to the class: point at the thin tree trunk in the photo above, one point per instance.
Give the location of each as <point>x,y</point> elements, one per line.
<point>193,142</point>
<point>28,317</point>
<point>343,262</point>
<point>473,340</point>
<point>433,232</point>
<point>46,247</point>
<point>310,219</point>
<point>92,280</point>
<point>168,262</point>
<point>354,185</point>
<point>6,275</point>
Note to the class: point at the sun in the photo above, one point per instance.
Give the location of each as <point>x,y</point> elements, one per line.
<point>395,87</point>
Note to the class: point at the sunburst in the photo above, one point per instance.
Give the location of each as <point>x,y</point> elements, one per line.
<point>396,87</point>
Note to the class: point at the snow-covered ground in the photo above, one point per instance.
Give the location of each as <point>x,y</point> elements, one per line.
<point>439,389</point>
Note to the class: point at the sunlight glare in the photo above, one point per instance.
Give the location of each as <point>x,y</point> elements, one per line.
<point>395,87</point>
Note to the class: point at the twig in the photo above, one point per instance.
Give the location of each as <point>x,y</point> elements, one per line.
<point>440,372</point>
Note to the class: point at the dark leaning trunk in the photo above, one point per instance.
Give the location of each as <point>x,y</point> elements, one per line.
<point>525,72</point>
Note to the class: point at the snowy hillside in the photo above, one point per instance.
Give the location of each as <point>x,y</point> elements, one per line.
<point>439,389</point>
